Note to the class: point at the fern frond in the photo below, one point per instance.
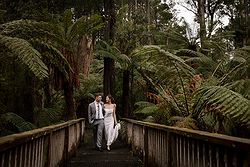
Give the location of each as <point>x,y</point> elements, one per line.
<point>184,122</point>
<point>84,26</point>
<point>54,56</point>
<point>240,86</point>
<point>143,104</point>
<point>106,50</point>
<point>26,54</point>
<point>27,28</point>
<point>229,103</point>
<point>155,53</point>
<point>12,120</point>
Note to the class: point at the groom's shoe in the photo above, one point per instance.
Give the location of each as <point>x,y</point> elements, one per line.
<point>99,149</point>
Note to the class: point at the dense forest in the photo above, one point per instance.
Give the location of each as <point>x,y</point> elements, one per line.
<point>55,55</point>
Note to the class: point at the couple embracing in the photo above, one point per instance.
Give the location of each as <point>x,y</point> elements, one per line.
<point>103,117</point>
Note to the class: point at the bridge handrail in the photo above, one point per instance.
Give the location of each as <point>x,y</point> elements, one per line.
<point>48,146</point>
<point>161,145</point>
<point>217,138</point>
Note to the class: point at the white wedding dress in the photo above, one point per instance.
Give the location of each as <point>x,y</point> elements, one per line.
<point>111,132</point>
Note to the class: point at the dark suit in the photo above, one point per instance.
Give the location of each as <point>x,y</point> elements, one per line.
<point>98,124</point>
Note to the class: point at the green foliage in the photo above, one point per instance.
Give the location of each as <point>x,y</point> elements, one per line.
<point>144,109</point>
<point>12,123</point>
<point>87,89</point>
<point>52,114</point>
<point>103,49</point>
<point>240,86</point>
<point>220,99</point>
<point>25,54</point>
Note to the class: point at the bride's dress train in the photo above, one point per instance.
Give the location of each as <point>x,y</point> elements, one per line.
<point>111,132</point>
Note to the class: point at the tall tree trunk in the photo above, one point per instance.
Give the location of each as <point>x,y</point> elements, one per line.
<point>85,48</point>
<point>69,99</point>
<point>68,84</point>
<point>149,21</point>
<point>109,64</point>
<point>201,17</point>
<point>28,100</point>
<point>242,37</point>
<point>125,93</point>
<point>109,76</point>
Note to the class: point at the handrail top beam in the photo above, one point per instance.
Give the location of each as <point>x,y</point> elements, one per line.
<point>202,135</point>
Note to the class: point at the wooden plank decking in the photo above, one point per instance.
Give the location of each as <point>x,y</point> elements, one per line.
<point>119,156</point>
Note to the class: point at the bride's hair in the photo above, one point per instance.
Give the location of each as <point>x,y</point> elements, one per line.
<point>112,99</point>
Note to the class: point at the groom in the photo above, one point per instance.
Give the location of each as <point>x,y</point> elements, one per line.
<point>96,119</point>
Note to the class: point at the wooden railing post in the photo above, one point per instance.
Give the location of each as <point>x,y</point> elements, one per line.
<point>66,145</point>
<point>145,150</point>
<point>49,151</point>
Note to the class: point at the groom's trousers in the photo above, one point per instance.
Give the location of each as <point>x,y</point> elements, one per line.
<point>98,126</point>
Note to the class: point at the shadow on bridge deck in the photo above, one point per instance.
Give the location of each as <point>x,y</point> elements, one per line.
<point>119,156</point>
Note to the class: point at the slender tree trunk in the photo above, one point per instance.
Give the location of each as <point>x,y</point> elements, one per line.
<point>201,15</point>
<point>69,99</point>
<point>109,64</point>
<point>109,77</point>
<point>149,21</point>
<point>125,93</point>
<point>243,36</point>
<point>68,84</point>
<point>28,100</point>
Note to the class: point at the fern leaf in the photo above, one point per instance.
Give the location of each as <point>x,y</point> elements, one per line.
<point>12,119</point>
<point>26,54</point>
<point>230,103</point>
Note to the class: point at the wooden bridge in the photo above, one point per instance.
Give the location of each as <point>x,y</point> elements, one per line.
<point>140,144</point>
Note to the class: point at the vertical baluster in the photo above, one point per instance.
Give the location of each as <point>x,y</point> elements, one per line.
<point>217,157</point>
<point>159,149</point>
<point>210,155</point>
<point>225,158</point>
<point>234,160</point>
<point>198,153</point>
<point>2,159</point>
<point>21,156</point>
<point>188,154</point>
<point>39,152</point>
<point>15,156</point>
<point>25,155</point>
<point>9,158</point>
<point>33,153</point>
<point>193,153</point>
<point>204,155</point>
<point>163,153</point>
<point>154,146</point>
<point>177,151</point>
<point>29,155</point>
<point>42,153</point>
<point>180,151</point>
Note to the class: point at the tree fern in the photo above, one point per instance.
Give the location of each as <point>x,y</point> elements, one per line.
<point>160,56</point>
<point>25,54</point>
<point>103,49</point>
<point>16,123</point>
<point>229,103</point>
<point>52,114</point>
<point>144,109</point>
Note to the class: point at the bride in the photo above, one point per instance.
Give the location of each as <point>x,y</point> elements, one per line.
<point>110,121</point>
